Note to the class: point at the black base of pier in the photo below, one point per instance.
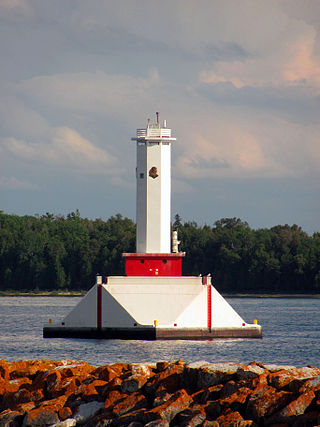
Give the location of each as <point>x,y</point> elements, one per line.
<point>152,333</point>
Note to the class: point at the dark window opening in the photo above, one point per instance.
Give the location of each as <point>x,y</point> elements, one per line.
<point>142,261</point>
<point>164,261</point>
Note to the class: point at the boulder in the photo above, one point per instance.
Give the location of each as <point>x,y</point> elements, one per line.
<point>293,409</point>
<point>198,376</point>
<point>114,396</point>
<point>169,409</point>
<point>133,383</point>
<point>266,400</point>
<point>41,416</point>
<point>87,410</point>
<point>105,373</point>
<point>190,417</point>
<point>171,379</point>
<point>284,377</point>
<point>131,403</point>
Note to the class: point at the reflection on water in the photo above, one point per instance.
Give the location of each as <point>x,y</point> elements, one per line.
<point>290,328</point>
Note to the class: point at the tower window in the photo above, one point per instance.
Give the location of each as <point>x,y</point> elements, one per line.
<point>141,175</point>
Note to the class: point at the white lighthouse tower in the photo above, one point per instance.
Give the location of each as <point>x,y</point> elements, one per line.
<point>153,175</point>
<point>153,300</point>
<point>154,256</point>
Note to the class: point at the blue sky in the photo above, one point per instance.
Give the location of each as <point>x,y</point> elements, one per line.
<point>238,82</point>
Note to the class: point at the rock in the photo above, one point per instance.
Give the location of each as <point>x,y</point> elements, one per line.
<point>161,366</point>
<point>294,408</point>
<point>190,417</point>
<point>26,407</point>
<point>308,419</point>
<point>157,423</point>
<point>131,403</point>
<point>114,397</point>
<point>87,410</point>
<point>209,374</point>
<point>64,413</point>
<point>75,369</point>
<point>236,399</point>
<point>161,396</point>
<point>92,390</point>
<point>10,418</point>
<point>71,422</point>
<point>65,387</point>
<point>119,368</point>
<point>114,384</point>
<point>29,368</point>
<point>105,373</point>
<point>133,383</point>
<point>12,386</point>
<point>170,379</point>
<point>213,409</point>
<point>312,384</point>
<point>142,369</point>
<point>266,400</point>
<point>260,380</point>
<point>4,370</point>
<point>42,416</point>
<point>249,372</point>
<point>284,377</point>
<point>169,409</point>
<point>229,388</point>
<point>23,396</point>
<point>229,419</point>
<point>276,368</point>
<point>208,423</point>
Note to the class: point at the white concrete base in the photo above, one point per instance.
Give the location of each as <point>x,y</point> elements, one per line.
<point>163,307</point>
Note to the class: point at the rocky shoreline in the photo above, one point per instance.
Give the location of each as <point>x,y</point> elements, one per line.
<point>69,393</point>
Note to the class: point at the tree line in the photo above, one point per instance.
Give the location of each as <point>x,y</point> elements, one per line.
<point>54,252</point>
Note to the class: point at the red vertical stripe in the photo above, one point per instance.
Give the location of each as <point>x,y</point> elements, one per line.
<point>209,300</point>
<point>99,306</point>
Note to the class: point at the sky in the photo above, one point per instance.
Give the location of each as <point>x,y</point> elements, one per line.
<point>237,81</point>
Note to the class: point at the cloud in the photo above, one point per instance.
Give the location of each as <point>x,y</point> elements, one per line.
<point>237,154</point>
<point>293,63</point>
<point>13,4</point>
<point>13,183</point>
<point>96,92</point>
<point>15,10</point>
<point>66,150</point>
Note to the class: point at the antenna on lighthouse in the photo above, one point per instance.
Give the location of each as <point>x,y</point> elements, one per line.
<point>157,114</point>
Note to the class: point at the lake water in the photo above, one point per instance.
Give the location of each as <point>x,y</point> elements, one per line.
<point>291,335</point>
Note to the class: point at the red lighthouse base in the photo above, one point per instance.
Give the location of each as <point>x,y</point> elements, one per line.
<point>154,264</point>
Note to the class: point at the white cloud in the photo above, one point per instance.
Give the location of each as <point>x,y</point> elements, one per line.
<point>66,150</point>
<point>235,154</point>
<point>288,56</point>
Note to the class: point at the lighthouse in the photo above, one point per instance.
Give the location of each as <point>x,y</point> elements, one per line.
<point>155,254</point>
<point>153,176</point>
<point>153,300</point>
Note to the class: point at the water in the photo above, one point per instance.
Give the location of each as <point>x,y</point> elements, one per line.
<point>291,335</point>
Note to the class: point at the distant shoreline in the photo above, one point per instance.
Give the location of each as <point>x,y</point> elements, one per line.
<point>42,294</point>
<point>82,293</point>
